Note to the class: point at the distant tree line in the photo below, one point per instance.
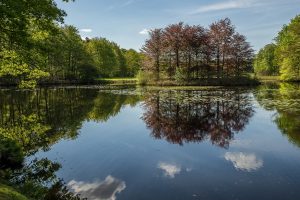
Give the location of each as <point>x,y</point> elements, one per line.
<point>36,46</point>
<point>282,57</point>
<point>193,52</point>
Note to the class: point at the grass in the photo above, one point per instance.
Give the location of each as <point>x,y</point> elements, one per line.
<point>118,81</point>
<point>233,81</point>
<point>8,193</point>
<point>268,78</point>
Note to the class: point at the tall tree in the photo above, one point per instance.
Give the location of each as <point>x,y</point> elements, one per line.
<point>173,38</point>
<point>265,62</point>
<point>154,48</point>
<point>221,33</point>
<point>288,50</point>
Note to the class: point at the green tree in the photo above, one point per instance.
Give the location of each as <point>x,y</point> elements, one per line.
<point>265,63</point>
<point>22,24</point>
<point>133,62</point>
<point>103,55</point>
<point>288,50</point>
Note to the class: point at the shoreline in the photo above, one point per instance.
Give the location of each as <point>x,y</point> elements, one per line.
<point>225,82</point>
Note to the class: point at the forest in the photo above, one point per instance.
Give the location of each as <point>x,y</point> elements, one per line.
<point>281,58</point>
<point>37,47</point>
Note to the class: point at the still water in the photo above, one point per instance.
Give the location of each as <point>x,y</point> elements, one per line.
<point>139,143</point>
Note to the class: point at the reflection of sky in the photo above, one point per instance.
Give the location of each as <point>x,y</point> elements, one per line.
<point>98,190</point>
<point>126,150</point>
<point>170,170</point>
<point>244,161</point>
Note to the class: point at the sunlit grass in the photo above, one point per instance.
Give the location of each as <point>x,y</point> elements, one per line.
<point>268,78</point>
<point>8,193</point>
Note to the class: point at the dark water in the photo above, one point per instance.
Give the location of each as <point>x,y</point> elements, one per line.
<point>163,144</point>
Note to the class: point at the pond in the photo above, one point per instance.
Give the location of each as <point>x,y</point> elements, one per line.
<point>159,143</point>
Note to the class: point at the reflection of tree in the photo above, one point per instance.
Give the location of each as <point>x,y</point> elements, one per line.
<point>39,118</point>
<point>284,99</point>
<point>34,120</point>
<point>193,116</point>
<point>110,104</point>
<point>37,180</point>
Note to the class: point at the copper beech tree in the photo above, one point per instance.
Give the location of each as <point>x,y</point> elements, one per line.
<point>197,52</point>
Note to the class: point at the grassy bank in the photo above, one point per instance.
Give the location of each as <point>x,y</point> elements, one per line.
<point>268,78</point>
<point>8,193</point>
<point>238,81</point>
<point>234,81</point>
<point>117,81</point>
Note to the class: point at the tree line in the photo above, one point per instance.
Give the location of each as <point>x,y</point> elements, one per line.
<point>193,52</point>
<point>35,46</point>
<point>282,57</point>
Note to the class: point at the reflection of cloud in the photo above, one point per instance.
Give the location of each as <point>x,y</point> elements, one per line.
<point>188,169</point>
<point>98,190</point>
<point>243,161</point>
<point>170,170</point>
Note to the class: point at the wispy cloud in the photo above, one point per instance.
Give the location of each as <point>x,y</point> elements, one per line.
<point>227,5</point>
<point>127,3</point>
<point>144,32</point>
<point>86,30</point>
<point>122,5</point>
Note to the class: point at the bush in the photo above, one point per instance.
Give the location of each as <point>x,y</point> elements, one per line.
<point>144,77</point>
<point>11,155</point>
<point>181,76</point>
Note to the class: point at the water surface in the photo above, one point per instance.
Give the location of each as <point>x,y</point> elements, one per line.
<point>139,143</point>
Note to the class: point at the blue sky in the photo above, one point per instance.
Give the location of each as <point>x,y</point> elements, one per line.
<point>126,21</point>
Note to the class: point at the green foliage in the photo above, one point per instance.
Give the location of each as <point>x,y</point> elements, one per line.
<point>284,56</point>
<point>8,193</point>
<point>145,77</point>
<point>11,154</point>
<point>110,60</point>
<point>133,62</point>
<point>288,50</point>
<point>181,76</point>
<point>34,48</point>
<point>13,67</point>
<point>264,62</point>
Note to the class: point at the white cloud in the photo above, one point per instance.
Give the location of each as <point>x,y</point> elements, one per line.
<point>86,30</point>
<point>144,32</point>
<point>170,170</point>
<point>98,190</point>
<point>232,4</point>
<point>244,161</point>
<point>127,3</point>
<point>122,5</point>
